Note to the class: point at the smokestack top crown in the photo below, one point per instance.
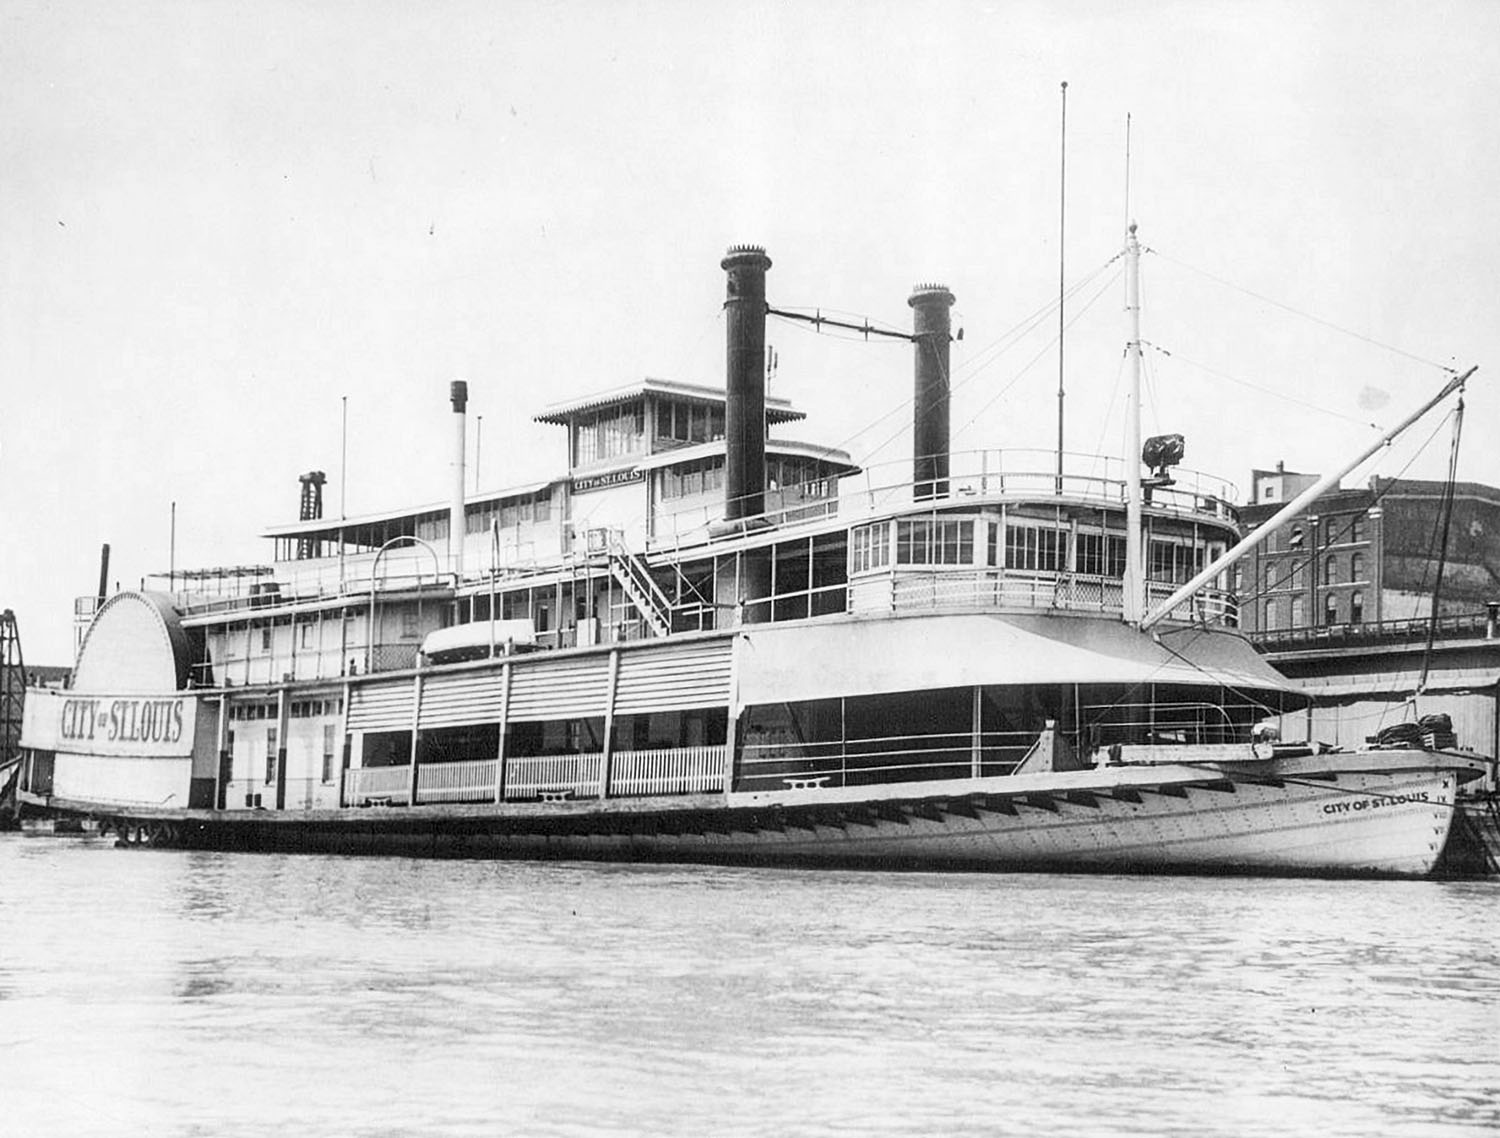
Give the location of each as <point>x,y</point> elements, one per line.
<point>458,392</point>
<point>924,294</point>
<point>747,256</point>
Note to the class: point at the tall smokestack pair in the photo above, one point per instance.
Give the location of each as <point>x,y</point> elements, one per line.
<point>745,412</point>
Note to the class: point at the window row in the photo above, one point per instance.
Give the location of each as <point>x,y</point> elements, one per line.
<point>689,422</point>
<point>701,477</point>
<point>1028,548</point>
<point>609,434</point>
<point>298,709</point>
<point>1291,612</point>
<point>511,512</point>
<point>1291,573</point>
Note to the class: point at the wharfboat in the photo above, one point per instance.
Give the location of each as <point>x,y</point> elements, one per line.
<point>705,643</point>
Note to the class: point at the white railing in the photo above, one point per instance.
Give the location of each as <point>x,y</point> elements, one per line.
<point>675,770</point>
<point>390,785</point>
<point>576,774</point>
<point>1029,474</point>
<point>1214,606</point>
<point>472,781</point>
<point>914,588</point>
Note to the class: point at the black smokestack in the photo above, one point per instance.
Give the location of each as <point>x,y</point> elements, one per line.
<point>745,410</point>
<point>931,330</point>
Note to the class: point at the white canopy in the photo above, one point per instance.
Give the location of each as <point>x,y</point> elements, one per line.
<point>777,663</point>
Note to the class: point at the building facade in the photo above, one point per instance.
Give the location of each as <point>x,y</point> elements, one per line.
<point>1369,556</point>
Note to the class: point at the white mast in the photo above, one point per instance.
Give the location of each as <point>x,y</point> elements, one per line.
<point>1134,586</point>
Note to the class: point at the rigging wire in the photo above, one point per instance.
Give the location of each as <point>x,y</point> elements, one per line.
<point>980,361</point>
<point>1305,315</point>
<point>1311,560</point>
<point>1103,288</point>
<point>1257,387</point>
<point>1442,551</point>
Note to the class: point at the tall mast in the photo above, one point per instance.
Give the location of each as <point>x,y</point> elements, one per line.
<point>1134,562</point>
<point>1062,233</point>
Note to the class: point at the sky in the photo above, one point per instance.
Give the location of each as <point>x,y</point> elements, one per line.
<point>223,223</point>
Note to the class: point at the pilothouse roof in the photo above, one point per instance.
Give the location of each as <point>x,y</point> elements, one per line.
<point>778,410</point>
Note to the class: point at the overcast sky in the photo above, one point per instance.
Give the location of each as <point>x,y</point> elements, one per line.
<point>217,220</point>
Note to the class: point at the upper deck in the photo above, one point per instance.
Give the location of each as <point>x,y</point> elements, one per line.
<point>1008,535</point>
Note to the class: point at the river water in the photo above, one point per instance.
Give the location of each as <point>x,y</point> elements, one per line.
<point>171,993</point>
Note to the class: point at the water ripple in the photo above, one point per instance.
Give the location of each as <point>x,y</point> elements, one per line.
<point>214,994</point>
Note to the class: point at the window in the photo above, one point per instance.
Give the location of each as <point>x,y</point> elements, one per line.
<point>1238,579</point>
<point>1357,528</point>
<point>668,730</point>
<point>1100,555</point>
<point>1294,539</point>
<point>609,434</point>
<point>270,755</point>
<point>1331,571</point>
<point>702,477</point>
<point>1331,609</point>
<point>1357,567</point>
<point>1356,608</point>
<point>934,541</point>
<point>1299,612</point>
<point>1035,547</point>
<point>1169,561</point>
<point>556,737</point>
<point>1270,622</point>
<point>870,548</point>
<point>328,752</point>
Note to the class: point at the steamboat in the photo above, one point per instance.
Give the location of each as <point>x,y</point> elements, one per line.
<point>709,643</point>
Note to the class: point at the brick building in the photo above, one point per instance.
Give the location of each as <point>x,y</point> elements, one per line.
<point>1365,556</point>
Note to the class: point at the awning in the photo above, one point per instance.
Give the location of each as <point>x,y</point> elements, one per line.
<point>869,656</point>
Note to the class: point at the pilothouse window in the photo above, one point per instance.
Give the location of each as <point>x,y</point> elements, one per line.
<point>935,541</point>
<point>870,548</point>
<point>1038,548</point>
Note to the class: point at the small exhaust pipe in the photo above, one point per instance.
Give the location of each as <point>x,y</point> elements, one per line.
<point>103,572</point>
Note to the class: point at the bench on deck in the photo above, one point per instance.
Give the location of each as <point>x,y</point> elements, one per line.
<point>814,782</point>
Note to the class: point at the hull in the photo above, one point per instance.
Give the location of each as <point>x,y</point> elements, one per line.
<point>1386,815</point>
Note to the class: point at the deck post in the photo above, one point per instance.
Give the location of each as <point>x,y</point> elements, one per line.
<point>346,748</point>
<point>282,709</point>
<point>609,723</point>
<point>976,749</point>
<point>416,718</point>
<point>505,670</point>
<point>220,781</point>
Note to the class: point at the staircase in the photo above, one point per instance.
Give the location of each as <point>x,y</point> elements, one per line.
<point>631,572</point>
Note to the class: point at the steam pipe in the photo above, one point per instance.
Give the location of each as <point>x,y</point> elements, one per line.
<point>458,393</point>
